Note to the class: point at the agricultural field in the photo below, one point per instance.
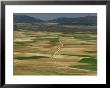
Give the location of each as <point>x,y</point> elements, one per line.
<point>55,53</point>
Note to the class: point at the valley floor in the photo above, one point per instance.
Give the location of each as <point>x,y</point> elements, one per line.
<point>55,53</point>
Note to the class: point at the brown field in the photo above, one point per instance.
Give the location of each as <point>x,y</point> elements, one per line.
<point>41,53</point>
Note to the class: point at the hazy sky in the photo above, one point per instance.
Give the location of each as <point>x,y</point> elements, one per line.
<point>49,16</point>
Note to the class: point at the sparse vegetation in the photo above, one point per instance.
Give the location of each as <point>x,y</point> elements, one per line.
<point>91,51</point>
<point>86,67</point>
<point>30,57</point>
<point>85,37</point>
<point>89,60</point>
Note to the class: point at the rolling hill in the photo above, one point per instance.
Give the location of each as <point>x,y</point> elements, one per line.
<point>25,19</point>
<point>88,20</point>
<point>83,24</point>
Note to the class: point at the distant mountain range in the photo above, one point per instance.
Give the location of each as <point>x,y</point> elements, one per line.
<point>25,19</point>
<point>87,20</point>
